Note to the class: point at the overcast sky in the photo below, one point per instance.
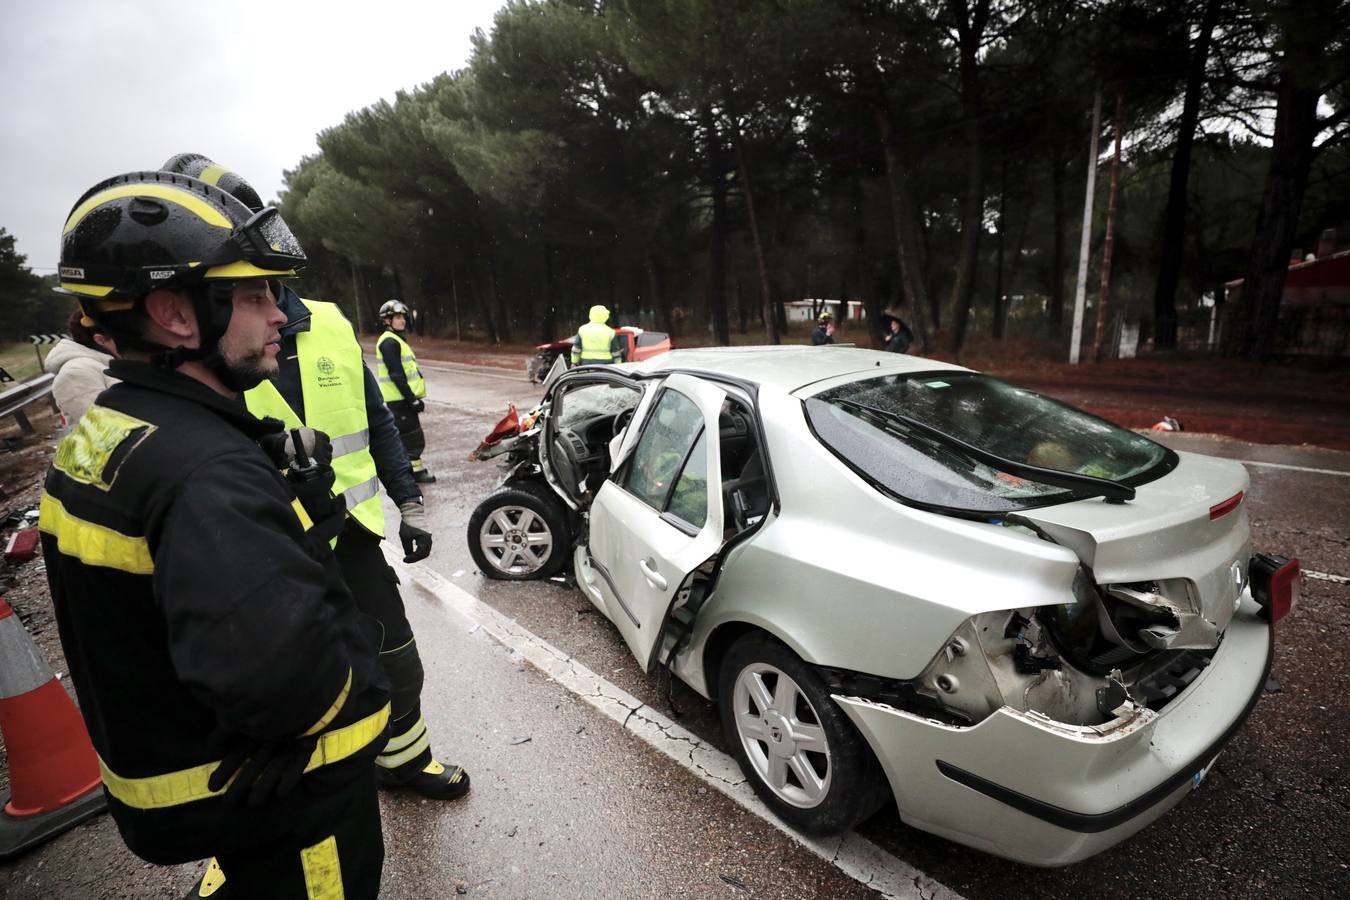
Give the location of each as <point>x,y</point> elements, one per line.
<point>93,89</point>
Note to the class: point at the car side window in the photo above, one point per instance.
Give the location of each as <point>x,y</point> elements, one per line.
<point>674,427</point>
<point>689,500</point>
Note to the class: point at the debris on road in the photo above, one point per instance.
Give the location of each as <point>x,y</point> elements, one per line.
<point>523,739</point>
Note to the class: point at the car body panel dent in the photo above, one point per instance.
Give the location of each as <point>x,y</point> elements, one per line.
<point>1087,770</point>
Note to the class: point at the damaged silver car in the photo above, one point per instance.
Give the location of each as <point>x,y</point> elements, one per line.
<point>1034,629</point>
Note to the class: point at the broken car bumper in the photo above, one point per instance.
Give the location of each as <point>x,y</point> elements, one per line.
<point>1023,786</point>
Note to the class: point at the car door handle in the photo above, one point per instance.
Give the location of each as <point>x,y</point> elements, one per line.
<point>653,577</point>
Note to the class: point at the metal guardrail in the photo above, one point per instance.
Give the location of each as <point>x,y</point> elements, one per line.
<point>13,400</point>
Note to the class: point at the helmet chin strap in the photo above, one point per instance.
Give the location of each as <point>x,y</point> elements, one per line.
<point>212,302</point>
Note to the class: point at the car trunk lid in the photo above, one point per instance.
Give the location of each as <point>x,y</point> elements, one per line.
<point>1181,545</point>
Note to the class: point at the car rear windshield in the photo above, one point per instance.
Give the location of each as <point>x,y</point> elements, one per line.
<point>862,422</point>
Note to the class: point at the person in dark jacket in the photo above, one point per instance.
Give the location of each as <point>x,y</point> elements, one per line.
<point>898,336</point>
<point>824,332</point>
<point>231,688</point>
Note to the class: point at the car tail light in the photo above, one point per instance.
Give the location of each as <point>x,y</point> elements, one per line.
<point>1275,585</point>
<point>1222,509</point>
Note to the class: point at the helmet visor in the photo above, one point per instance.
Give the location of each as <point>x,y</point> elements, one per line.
<point>266,241</point>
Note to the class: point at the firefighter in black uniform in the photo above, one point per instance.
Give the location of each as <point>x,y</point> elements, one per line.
<point>322,382</point>
<point>230,686</point>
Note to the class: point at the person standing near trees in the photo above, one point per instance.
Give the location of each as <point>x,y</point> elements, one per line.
<point>595,342</point>
<point>824,332</point>
<point>898,336</point>
<point>231,688</point>
<point>402,385</point>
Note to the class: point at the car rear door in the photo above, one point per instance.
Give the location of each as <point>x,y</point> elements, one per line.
<point>660,516</point>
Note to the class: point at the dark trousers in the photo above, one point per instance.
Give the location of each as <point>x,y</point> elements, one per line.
<point>374,586</point>
<point>410,430</point>
<point>336,852</point>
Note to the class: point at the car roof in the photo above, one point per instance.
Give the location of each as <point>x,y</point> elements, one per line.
<point>788,367</point>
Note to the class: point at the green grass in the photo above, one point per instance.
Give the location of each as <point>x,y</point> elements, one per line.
<point>20,361</point>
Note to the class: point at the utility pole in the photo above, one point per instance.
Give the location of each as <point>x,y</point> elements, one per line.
<point>1084,245</point>
<point>1105,293</point>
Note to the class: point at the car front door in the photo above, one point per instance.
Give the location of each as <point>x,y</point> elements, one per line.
<point>660,516</point>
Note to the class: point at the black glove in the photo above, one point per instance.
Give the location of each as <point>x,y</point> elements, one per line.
<point>416,539</point>
<point>418,405</point>
<point>306,456</point>
<point>264,773</point>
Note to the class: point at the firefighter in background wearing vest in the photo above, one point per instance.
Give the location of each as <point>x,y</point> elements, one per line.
<point>230,686</point>
<point>596,342</point>
<point>402,385</point>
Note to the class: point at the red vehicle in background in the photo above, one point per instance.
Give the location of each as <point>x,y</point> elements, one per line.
<point>637,346</point>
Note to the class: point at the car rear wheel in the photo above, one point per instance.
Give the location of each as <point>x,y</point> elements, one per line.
<point>801,753</point>
<point>519,533</point>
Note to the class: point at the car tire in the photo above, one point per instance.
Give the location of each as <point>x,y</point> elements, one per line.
<point>519,533</point>
<point>773,744</point>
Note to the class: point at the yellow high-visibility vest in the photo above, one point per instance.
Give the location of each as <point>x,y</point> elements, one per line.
<point>332,382</point>
<point>388,390</point>
<point>597,343</point>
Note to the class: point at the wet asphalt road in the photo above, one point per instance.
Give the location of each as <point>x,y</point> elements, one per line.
<point>1272,819</point>
<point>584,809</point>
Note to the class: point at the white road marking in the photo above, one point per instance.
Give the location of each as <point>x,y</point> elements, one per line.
<point>1270,465</point>
<point>1326,576</point>
<point>852,854</point>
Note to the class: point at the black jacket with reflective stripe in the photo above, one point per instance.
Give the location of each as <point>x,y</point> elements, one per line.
<point>194,614</point>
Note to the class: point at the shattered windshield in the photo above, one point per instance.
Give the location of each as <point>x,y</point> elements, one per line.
<point>862,422</point>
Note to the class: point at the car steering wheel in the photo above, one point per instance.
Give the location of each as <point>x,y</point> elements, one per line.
<point>621,422</point>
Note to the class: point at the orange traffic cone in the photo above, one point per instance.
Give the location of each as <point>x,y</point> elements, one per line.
<point>53,772</point>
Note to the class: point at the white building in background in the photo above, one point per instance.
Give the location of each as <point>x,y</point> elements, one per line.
<point>808,310</point>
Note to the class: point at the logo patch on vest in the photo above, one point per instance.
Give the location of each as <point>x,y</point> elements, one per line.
<point>328,372</point>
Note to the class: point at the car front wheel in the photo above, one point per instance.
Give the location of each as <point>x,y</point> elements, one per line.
<point>801,753</point>
<point>519,532</point>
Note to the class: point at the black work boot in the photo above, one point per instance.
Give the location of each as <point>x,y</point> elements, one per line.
<point>435,781</point>
<point>422,476</point>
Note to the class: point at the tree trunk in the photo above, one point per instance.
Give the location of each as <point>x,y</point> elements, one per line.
<point>1174,217</point>
<point>659,299</point>
<point>970,30</point>
<point>454,300</point>
<point>906,231</point>
<point>549,328</point>
<point>481,300</point>
<point>1057,239</point>
<point>717,184</point>
<point>1277,224</point>
<point>771,322</point>
<point>999,307</point>
<point>1104,295</point>
<point>501,314</point>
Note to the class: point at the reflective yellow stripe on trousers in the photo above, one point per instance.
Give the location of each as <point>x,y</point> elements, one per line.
<point>189,785</point>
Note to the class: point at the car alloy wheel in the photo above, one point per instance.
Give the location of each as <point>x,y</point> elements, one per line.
<point>516,540</point>
<point>781,734</point>
<point>794,743</point>
<point>519,532</point>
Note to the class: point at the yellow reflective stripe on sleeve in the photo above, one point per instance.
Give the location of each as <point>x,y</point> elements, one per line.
<point>89,290</point>
<point>323,872</point>
<point>189,785</point>
<point>245,269</point>
<point>305,521</point>
<point>91,544</point>
<point>183,198</point>
<point>212,173</point>
<point>335,708</point>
